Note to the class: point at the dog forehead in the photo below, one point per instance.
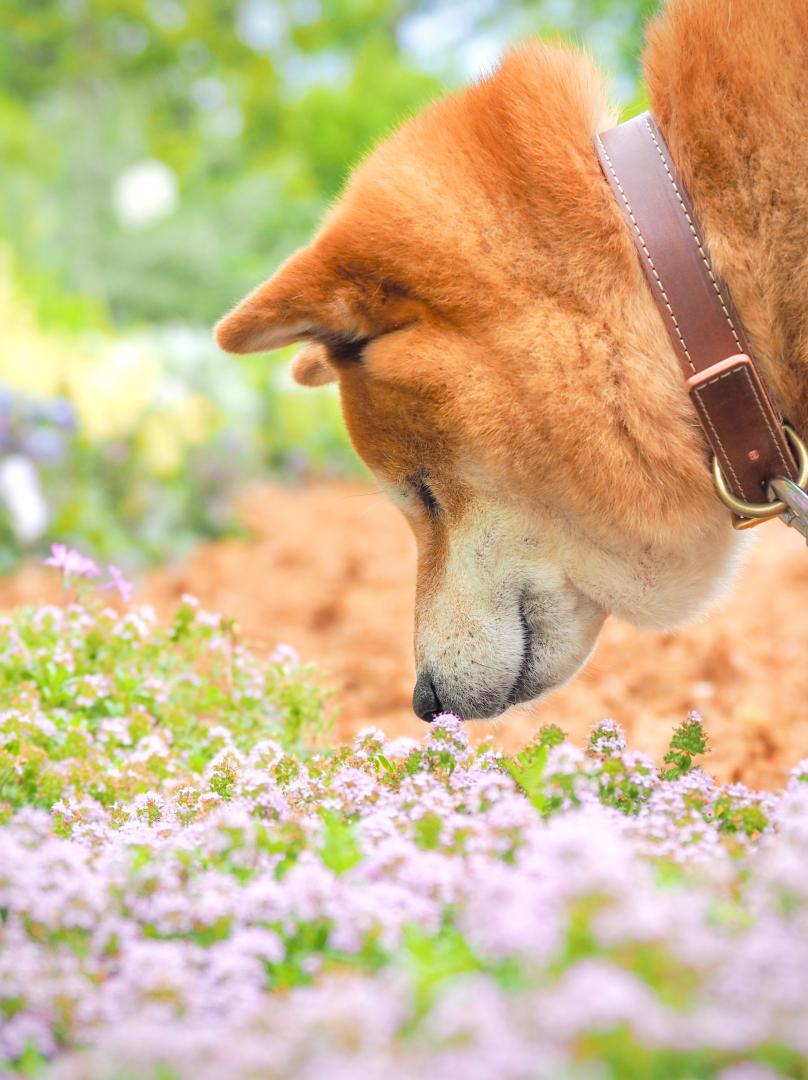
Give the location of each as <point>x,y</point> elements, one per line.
<point>480,194</point>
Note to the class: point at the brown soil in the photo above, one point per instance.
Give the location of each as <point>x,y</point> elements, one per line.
<point>330,569</point>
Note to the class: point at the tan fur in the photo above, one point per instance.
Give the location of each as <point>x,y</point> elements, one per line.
<point>477,293</point>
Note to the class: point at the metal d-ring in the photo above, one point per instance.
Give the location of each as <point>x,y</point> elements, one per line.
<point>766,509</point>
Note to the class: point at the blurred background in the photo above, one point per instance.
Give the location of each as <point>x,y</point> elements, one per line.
<point>159,158</point>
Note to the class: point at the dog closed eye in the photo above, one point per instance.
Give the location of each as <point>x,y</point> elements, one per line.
<point>419,484</point>
<point>344,350</point>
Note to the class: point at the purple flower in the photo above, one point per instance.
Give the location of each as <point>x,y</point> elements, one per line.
<point>119,582</point>
<point>62,413</point>
<point>44,444</point>
<point>71,562</point>
<point>205,905</point>
<point>285,654</point>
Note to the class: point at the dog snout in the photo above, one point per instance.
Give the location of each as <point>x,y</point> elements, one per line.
<point>425,700</point>
<point>468,703</point>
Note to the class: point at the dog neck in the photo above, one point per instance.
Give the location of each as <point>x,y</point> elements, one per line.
<point>732,117</point>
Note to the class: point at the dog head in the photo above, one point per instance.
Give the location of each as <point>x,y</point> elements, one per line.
<point>505,375</point>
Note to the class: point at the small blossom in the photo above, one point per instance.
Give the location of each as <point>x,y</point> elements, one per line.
<point>118,582</point>
<point>71,562</point>
<point>285,654</point>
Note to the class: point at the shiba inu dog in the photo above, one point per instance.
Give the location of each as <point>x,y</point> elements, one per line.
<point>502,367</point>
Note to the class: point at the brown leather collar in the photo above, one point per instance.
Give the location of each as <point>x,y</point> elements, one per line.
<point>735,409</point>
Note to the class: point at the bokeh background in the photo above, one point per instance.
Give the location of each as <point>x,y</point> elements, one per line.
<point>159,158</point>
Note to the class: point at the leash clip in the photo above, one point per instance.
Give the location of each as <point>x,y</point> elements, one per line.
<point>796,500</point>
<point>790,501</point>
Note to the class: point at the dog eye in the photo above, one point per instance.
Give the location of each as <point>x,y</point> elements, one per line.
<point>346,352</point>
<point>420,485</point>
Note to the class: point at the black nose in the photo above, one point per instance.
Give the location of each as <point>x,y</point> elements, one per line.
<point>425,701</point>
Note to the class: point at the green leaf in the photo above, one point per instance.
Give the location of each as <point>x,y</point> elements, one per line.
<point>340,850</point>
<point>688,742</point>
<point>527,769</point>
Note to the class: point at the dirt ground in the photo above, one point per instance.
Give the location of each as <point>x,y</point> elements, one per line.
<point>330,569</point>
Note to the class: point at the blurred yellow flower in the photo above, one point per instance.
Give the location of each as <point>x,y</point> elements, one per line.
<point>111,383</point>
<point>30,361</point>
<point>166,433</point>
<point>113,392</point>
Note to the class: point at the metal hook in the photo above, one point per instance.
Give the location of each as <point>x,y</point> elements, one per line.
<point>796,500</point>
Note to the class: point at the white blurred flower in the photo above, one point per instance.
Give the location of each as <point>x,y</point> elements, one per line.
<point>262,24</point>
<point>227,122</point>
<point>208,92</point>
<point>305,12</point>
<point>130,38</point>
<point>145,193</point>
<point>168,14</point>
<point>21,491</point>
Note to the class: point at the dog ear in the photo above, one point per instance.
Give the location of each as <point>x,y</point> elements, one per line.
<point>282,310</point>
<point>321,294</point>
<point>311,367</point>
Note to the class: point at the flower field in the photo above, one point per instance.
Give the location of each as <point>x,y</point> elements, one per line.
<point>193,884</point>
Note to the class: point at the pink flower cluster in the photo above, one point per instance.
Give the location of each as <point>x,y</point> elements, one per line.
<point>400,909</point>
<point>73,564</point>
<point>187,890</point>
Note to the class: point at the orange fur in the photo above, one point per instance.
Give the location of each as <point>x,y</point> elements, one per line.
<point>311,366</point>
<point>478,294</point>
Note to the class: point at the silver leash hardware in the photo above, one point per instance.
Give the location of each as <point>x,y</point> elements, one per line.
<point>796,500</point>
<point>791,506</point>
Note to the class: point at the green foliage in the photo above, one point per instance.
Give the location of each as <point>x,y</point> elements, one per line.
<point>340,850</point>
<point>550,735</point>
<point>527,769</point>
<point>688,741</point>
<point>258,111</point>
<point>31,1062</point>
<point>554,784</point>
<point>748,820</point>
<point>257,123</point>
<point>427,831</point>
<point>432,959</point>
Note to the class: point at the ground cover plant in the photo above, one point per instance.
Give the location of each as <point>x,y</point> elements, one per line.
<point>192,885</point>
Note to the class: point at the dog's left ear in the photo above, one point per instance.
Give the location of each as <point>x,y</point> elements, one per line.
<point>324,294</point>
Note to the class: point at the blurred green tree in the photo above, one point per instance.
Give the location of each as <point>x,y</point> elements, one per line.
<point>160,156</point>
